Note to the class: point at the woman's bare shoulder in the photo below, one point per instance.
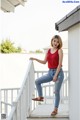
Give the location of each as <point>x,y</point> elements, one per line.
<point>60,51</point>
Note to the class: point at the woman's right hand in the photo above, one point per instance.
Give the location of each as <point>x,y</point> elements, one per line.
<point>31,58</point>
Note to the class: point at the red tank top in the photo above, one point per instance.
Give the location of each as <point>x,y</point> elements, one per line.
<point>53,59</point>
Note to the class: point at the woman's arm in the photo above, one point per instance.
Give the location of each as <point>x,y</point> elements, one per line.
<point>40,61</point>
<point>60,52</point>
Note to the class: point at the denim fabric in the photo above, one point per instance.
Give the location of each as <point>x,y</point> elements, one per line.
<point>47,78</point>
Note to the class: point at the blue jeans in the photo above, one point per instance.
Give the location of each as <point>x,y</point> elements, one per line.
<point>47,78</point>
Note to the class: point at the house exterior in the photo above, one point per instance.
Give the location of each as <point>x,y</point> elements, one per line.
<point>9,5</point>
<point>71,23</point>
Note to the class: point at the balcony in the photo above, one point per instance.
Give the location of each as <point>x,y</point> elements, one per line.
<point>16,103</point>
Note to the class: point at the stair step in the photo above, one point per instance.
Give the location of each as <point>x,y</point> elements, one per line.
<point>43,112</point>
<point>47,118</point>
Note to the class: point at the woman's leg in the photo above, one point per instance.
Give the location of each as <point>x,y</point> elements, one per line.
<point>58,84</point>
<point>44,79</point>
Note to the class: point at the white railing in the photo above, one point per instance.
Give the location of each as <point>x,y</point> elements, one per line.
<point>48,89</point>
<point>22,105</point>
<point>8,96</point>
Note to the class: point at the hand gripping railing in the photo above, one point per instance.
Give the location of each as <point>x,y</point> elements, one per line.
<point>22,105</point>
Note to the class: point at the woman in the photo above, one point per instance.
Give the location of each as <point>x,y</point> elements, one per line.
<point>54,57</point>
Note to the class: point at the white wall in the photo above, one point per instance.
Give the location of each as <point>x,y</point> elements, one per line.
<point>13,68</point>
<point>74,71</point>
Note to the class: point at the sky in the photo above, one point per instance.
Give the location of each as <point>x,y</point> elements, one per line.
<point>32,26</point>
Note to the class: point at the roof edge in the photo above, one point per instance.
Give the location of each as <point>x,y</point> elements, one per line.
<point>67,18</point>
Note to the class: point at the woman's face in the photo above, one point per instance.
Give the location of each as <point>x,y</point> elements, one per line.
<point>55,43</point>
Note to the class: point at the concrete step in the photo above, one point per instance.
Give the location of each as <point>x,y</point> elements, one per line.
<point>47,118</point>
<point>43,112</point>
<point>57,117</point>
